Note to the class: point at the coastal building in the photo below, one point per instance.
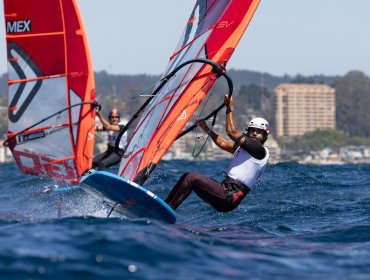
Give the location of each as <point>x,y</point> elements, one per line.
<point>301,108</point>
<point>343,155</point>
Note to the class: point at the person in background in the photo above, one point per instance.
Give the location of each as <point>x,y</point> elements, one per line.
<point>113,127</point>
<point>249,161</point>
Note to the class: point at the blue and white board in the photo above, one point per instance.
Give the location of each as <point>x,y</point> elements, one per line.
<point>133,200</point>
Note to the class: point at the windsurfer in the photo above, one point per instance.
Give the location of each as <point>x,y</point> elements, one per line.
<point>249,161</point>
<point>113,126</point>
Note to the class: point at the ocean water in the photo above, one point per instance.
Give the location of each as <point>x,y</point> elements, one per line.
<point>299,222</point>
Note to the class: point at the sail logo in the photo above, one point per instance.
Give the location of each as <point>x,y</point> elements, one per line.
<point>224,24</point>
<point>182,116</point>
<point>24,94</point>
<point>18,26</point>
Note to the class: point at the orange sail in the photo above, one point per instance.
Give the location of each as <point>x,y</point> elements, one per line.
<point>212,32</point>
<point>51,89</point>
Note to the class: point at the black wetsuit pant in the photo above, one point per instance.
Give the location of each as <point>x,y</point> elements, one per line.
<point>106,159</point>
<point>224,196</point>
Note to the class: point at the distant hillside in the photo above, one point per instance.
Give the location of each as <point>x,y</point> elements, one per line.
<point>108,84</point>
<point>246,77</point>
<point>253,91</point>
<point>353,103</point>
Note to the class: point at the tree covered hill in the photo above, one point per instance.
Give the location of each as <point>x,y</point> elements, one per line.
<point>253,92</point>
<point>111,84</point>
<point>353,103</point>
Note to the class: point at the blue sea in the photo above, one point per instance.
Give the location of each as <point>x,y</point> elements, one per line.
<point>299,222</point>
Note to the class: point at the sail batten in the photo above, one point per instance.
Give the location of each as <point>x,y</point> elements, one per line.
<point>36,35</point>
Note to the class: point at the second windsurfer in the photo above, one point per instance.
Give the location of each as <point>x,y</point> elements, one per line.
<point>113,127</point>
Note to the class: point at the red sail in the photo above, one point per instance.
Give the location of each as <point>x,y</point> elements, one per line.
<point>51,88</point>
<point>212,32</point>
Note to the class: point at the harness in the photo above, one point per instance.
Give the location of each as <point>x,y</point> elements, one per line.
<point>234,189</point>
<point>111,149</point>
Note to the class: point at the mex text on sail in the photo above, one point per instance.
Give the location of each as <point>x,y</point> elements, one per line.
<point>18,26</point>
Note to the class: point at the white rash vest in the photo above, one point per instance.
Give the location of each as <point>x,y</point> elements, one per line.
<point>112,137</point>
<point>245,168</point>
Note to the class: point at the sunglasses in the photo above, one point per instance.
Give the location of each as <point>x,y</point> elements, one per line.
<point>254,129</point>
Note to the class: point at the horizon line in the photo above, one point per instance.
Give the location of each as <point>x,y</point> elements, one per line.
<point>234,69</point>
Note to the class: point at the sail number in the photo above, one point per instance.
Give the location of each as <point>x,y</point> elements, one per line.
<point>42,165</point>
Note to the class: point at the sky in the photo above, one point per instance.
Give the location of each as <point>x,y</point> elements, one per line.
<point>307,37</point>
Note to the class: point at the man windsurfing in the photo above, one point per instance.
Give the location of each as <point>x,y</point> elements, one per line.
<point>249,161</point>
